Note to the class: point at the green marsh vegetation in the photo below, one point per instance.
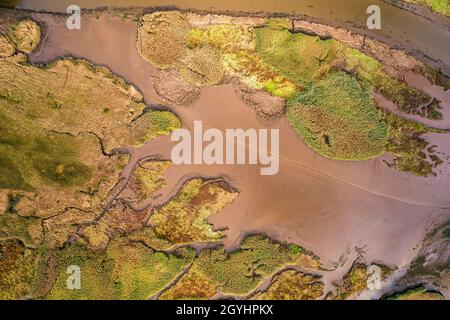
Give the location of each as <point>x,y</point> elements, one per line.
<point>27,229</point>
<point>147,178</point>
<point>337,117</point>
<point>240,272</point>
<point>335,113</point>
<point>192,286</point>
<point>133,267</point>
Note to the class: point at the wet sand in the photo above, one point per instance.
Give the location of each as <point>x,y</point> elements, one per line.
<point>328,206</point>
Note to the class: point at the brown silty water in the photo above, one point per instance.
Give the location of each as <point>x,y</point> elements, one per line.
<point>325,205</point>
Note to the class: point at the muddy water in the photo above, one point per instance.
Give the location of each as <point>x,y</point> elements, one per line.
<point>401,28</point>
<point>328,206</point>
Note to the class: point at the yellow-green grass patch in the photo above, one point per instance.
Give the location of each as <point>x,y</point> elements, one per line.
<point>183,219</point>
<point>355,281</point>
<point>126,270</point>
<point>336,116</point>
<point>192,286</point>
<point>26,35</point>
<point>419,293</point>
<point>17,265</point>
<point>162,37</point>
<point>241,271</point>
<point>292,285</point>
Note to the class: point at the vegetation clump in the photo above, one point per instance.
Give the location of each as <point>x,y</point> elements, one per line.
<point>292,285</point>
<point>202,66</point>
<point>28,229</point>
<point>153,123</point>
<point>126,270</point>
<point>355,281</point>
<point>406,144</point>
<point>7,48</point>
<point>171,87</point>
<point>241,271</point>
<point>193,285</point>
<point>61,126</point>
<point>337,117</point>
<point>419,293</point>
<point>16,269</point>
<point>304,59</point>
<point>298,57</point>
<point>183,219</point>
<point>147,178</point>
<point>162,37</point>
<point>432,263</point>
<point>26,35</point>
<point>224,37</point>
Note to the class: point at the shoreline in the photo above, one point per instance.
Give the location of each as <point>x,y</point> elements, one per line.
<point>138,11</point>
